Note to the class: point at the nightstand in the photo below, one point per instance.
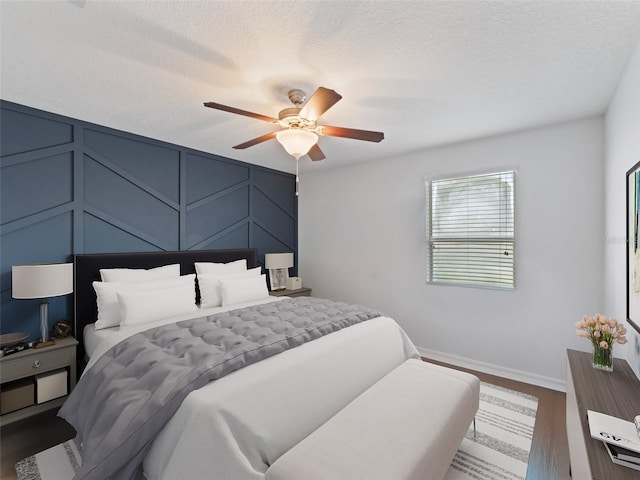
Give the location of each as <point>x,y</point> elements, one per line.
<point>51,369</point>
<point>299,292</point>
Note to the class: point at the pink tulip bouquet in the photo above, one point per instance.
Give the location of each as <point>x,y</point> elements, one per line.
<point>603,332</point>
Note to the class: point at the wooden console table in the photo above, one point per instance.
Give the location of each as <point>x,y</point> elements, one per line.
<point>615,393</point>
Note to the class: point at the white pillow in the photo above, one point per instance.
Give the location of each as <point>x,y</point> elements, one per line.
<point>139,274</point>
<point>210,267</point>
<point>243,290</point>
<point>209,285</point>
<point>107,299</point>
<point>154,305</point>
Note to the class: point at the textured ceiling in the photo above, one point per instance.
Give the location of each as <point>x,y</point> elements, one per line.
<point>426,73</point>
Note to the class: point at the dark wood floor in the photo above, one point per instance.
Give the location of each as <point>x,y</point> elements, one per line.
<point>549,458</point>
<point>28,437</point>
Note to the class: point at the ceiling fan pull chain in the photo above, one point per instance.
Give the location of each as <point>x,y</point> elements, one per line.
<point>297,178</point>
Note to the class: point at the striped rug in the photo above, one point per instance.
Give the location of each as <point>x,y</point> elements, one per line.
<point>499,450</point>
<point>504,429</point>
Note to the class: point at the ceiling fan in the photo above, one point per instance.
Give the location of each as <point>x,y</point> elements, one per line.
<point>300,130</point>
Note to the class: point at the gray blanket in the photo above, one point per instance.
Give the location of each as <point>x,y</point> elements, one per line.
<point>124,400</point>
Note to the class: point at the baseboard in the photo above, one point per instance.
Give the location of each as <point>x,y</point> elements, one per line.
<point>497,370</point>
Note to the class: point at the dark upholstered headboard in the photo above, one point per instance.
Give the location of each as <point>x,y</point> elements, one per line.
<point>87,270</point>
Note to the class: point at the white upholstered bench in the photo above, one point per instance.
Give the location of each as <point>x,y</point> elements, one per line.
<point>407,426</point>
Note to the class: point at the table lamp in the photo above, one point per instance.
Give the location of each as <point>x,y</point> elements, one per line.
<point>278,265</point>
<point>42,281</point>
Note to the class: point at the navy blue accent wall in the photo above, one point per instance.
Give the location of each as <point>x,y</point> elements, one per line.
<point>68,186</point>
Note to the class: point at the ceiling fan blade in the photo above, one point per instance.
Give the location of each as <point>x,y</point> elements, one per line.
<point>321,101</point>
<point>238,111</point>
<point>366,135</point>
<point>255,141</point>
<point>316,154</point>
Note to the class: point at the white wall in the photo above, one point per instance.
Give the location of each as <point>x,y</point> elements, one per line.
<point>362,239</point>
<point>622,123</point>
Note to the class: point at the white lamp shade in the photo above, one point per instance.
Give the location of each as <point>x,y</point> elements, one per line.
<point>297,142</point>
<point>278,260</point>
<point>41,281</point>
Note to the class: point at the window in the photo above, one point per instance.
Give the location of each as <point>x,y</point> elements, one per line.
<point>470,228</point>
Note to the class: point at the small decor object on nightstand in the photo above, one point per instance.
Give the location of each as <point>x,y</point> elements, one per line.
<point>278,265</point>
<point>61,329</point>
<point>603,332</point>
<point>10,339</point>
<point>42,281</point>
<point>15,347</point>
<point>13,343</point>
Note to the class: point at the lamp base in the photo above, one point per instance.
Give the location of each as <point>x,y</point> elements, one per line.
<point>44,343</point>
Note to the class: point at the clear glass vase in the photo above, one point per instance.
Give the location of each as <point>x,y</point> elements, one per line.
<point>602,358</point>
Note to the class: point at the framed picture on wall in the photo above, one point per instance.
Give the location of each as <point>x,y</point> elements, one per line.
<point>633,247</point>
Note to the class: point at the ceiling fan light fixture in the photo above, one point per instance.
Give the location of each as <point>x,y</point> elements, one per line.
<point>297,142</point>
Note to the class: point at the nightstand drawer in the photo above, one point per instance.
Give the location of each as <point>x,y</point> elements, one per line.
<point>39,362</point>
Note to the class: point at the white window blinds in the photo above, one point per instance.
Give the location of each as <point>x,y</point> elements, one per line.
<point>471,230</point>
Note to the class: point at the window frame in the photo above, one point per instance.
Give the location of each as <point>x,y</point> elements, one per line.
<point>469,239</point>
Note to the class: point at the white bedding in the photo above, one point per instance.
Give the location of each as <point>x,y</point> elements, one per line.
<point>96,342</point>
<point>236,427</point>
<point>93,337</point>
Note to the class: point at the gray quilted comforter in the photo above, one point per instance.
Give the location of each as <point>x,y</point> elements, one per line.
<point>124,400</point>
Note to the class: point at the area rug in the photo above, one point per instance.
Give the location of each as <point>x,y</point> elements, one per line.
<point>501,445</point>
<point>499,449</point>
<point>59,462</point>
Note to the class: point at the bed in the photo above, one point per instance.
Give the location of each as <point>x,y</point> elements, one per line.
<point>238,426</point>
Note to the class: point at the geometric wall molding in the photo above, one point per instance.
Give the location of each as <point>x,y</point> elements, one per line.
<point>69,186</point>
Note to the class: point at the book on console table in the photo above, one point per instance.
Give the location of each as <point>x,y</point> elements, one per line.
<point>621,438</point>
<point>622,456</point>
